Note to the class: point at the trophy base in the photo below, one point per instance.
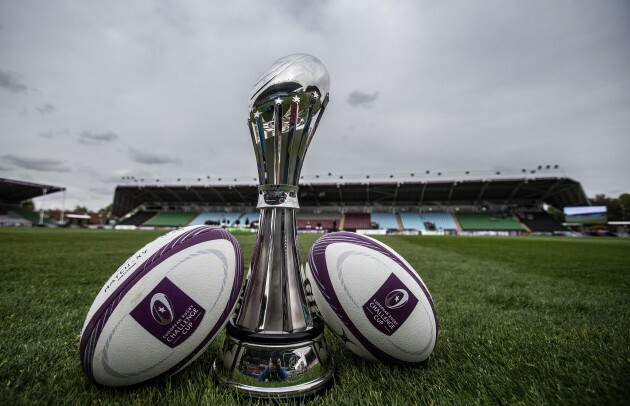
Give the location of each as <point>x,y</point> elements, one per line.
<point>278,366</point>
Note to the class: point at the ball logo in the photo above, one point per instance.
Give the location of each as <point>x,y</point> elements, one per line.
<point>396,299</point>
<point>174,315</point>
<point>162,309</point>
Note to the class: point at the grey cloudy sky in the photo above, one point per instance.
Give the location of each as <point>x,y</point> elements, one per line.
<point>91,92</point>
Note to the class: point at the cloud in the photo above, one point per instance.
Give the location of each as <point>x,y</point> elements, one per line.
<point>102,191</point>
<point>48,134</point>
<point>90,138</point>
<point>55,133</point>
<point>11,82</point>
<point>150,158</point>
<point>496,85</point>
<point>357,99</point>
<point>37,164</point>
<point>310,15</point>
<point>45,108</point>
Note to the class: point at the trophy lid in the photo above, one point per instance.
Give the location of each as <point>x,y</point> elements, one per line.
<point>285,107</point>
<point>297,73</point>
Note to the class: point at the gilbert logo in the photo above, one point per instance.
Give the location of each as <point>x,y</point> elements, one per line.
<point>161,309</point>
<point>396,299</point>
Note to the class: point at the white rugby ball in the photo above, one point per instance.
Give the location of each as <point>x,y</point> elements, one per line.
<point>161,309</point>
<point>372,299</point>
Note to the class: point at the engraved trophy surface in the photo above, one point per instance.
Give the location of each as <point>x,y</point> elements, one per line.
<point>275,347</point>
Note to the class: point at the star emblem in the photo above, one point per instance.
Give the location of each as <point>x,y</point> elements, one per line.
<point>296,99</point>
<point>278,101</point>
<point>315,96</point>
<point>257,114</point>
<point>161,309</point>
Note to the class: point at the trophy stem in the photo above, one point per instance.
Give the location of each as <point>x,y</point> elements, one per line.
<point>274,299</point>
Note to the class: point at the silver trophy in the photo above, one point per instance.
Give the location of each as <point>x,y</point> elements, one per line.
<point>275,346</point>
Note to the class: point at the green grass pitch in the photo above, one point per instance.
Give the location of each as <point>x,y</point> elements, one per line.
<point>523,320</point>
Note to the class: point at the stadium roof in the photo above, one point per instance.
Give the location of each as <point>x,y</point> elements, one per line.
<point>16,191</point>
<point>558,192</point>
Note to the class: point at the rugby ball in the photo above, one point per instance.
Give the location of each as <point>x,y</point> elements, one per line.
<point>371,298</point>
<point>162,308</point>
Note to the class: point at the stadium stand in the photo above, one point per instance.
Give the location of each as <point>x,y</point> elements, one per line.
<point>412,221</point>
<point>425,205</point>
<point>208,218</point>
<point>385,221</point>
<point>356,221</point>
<point>540,222</point>
<point>138,218</point>
<point>438,221</point>
<point>163,205</point>
<point>523,192</point>
<point>28,214</point>
<point>171,219</point>
<point>10,218</point>
<point>14,192</point>
<point>318,221</point>
<point>230,219</point>
<point>488,221</point>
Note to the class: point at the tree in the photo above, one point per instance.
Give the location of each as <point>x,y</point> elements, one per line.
<point>53,214</point>
<point>107,210</point>
<point>618,208</point>
<point>600,200</point>
<point>624,206</point>
<point>80,209</point>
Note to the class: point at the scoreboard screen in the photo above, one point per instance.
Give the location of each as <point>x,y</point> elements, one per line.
<point>586,214</point>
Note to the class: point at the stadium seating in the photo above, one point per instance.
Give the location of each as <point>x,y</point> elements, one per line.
<point>540,222</point>
<point>202,218</point>
<point>492,221</point>
<point>355,221</point>
<point>28,214</point>
<point>229,219</point>
<point>11,218</point>
<point>385,220</point>
<point>428,221</point>
<point>247,218</point>
<point>171,219</point>
<point>318,221</point>
<point>488,221</point>
<point>438,221</point>
<point>138,218</point>
<point>412,221</point>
